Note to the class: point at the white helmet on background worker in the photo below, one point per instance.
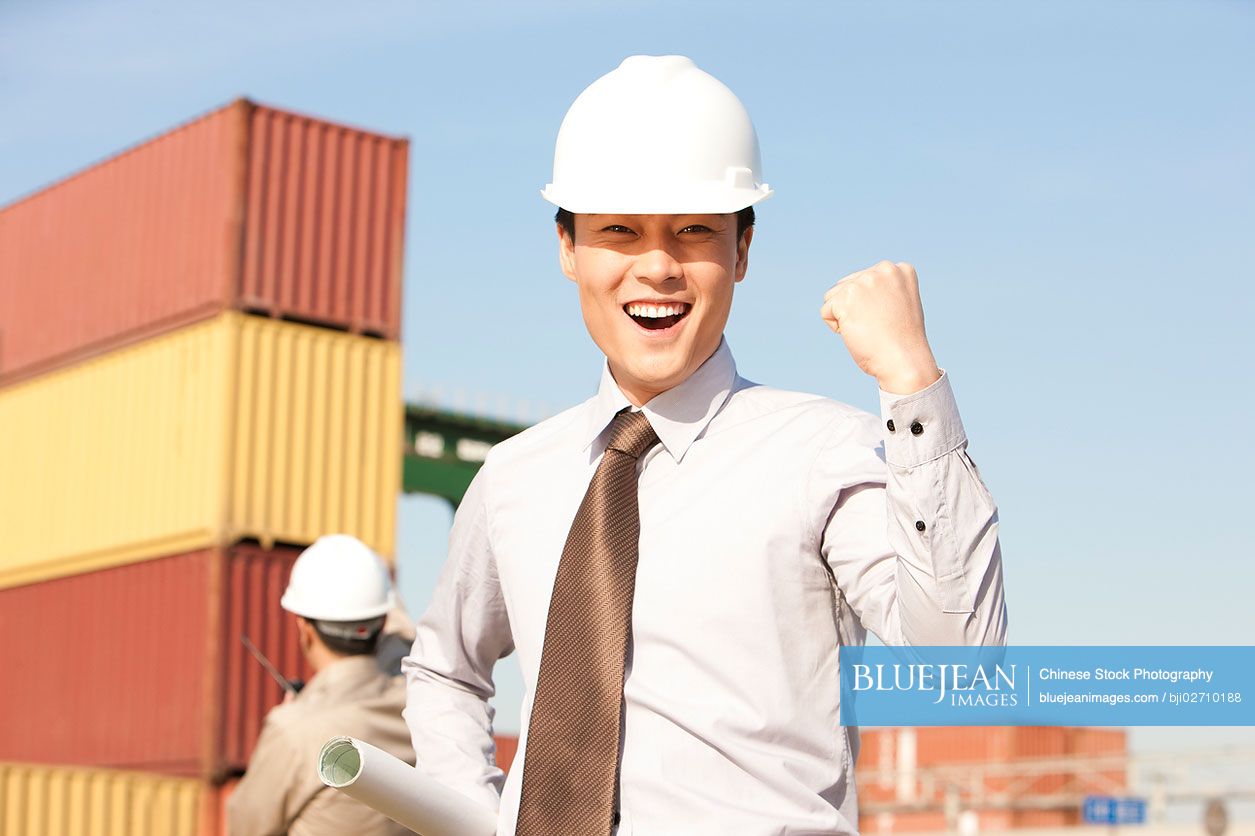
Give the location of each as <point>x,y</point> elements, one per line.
<point>339,579</point>
<point>657,135</point>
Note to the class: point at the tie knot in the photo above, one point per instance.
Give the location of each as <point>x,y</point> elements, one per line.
<point>630,433</point>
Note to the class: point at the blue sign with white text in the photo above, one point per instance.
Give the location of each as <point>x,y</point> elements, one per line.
<point>1049,686</point>
<point>1105,809</point>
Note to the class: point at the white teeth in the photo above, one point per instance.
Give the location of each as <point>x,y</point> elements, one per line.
<point>655,311</point>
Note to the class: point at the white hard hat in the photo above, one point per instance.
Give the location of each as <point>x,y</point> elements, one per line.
<point>656,136</point>
<point>339,579</point>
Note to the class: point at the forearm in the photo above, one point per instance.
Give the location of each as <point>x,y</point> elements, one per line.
<point>451,721</point>
<point>942,525</point>
<point>448,672</point>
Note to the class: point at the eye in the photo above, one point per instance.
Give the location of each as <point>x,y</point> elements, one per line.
<point>698,228</point>
<point>616,228</point>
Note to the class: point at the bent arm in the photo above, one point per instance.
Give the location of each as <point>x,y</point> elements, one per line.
<point>449,670</point>
<point>912,535</point>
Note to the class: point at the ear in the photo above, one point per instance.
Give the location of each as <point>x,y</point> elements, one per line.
<point>743,253</point>
<point>566,253</point>
<point>305,633</point>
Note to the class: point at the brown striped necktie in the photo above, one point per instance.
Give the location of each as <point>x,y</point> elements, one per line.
<point>571,763</point>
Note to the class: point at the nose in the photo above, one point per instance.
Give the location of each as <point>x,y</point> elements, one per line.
<point>657,266</point>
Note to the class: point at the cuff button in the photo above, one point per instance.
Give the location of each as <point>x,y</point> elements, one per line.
<point>919,525</point>
<point>916,428</point>
<point>889,424</point>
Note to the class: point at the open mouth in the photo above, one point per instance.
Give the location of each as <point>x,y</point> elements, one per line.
<point>657,317</point>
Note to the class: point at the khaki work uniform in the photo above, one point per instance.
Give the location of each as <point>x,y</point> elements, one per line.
<point>282,793</point>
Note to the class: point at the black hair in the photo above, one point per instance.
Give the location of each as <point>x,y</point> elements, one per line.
<point>566,220</point>
<point>348,647</point>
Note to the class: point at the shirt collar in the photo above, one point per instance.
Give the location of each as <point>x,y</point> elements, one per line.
<point>678,415</point>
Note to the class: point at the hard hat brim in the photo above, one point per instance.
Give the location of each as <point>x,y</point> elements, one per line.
<point>718,200</point>
<point>363,614</point>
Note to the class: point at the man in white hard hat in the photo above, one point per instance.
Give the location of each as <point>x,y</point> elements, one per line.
<point>342,596</point>
<point>678,559</point>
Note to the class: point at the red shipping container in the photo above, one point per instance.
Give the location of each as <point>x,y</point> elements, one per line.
<point>141,666</point>
<point>247,207</point>
<point>990,821</point>
<point>1095,743</point>
<point>945,745</point>
<point>976,746</point>
<point>213,820</point>
<point>507,748</point>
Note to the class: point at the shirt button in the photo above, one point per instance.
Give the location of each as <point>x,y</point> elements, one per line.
<point>916,428</point>
<point>919,525</point>
<point>614,818</point>
<point>889,424</point>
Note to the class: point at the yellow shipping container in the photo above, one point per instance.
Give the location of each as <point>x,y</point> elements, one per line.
<point>236,427</point>
<point>37,800</point>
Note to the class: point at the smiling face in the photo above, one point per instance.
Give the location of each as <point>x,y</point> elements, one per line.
<point>655,291</point>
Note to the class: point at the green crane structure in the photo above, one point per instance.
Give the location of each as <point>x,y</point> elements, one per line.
<point>444,449</point>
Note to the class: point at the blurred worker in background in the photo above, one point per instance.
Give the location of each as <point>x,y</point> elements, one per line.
<point>353,634</point>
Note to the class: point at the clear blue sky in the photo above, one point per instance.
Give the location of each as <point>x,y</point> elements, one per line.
<point>1075,182</point>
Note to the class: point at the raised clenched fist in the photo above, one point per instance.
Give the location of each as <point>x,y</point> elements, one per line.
<point>878,313</point>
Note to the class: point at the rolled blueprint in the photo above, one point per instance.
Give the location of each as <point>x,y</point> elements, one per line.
<point>401,792</point>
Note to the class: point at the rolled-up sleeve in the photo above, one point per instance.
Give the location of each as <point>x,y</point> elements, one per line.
<point>449,670</point>
<point>911,534</point>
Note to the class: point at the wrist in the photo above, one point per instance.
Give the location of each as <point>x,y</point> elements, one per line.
<point>911,381</point>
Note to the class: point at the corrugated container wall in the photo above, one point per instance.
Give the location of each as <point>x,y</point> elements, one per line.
<point>239,427</point>
<point>1097,742</point>
<point>894,770</point>
<point>989,821</point>
<point>507,748</point>
<point>142,667</point>
<point>73,801</point>
<point>248,207</point>
<point>949,745</point>
<point>215,821</point>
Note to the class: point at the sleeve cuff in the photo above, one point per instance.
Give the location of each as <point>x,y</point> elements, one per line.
<point>922,426</point>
